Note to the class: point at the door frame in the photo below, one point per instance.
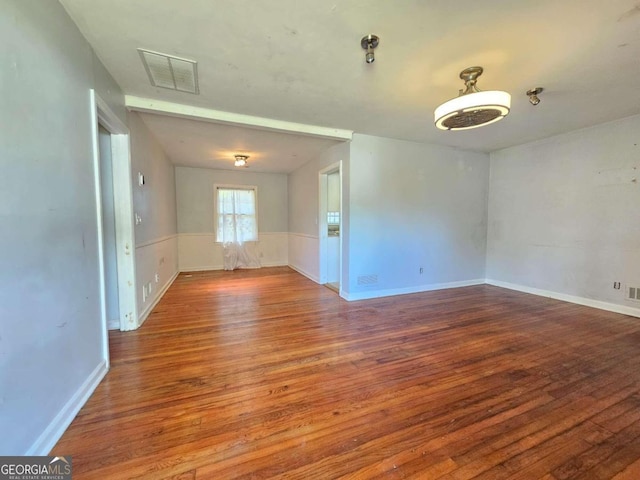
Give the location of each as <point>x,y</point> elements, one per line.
<point>322,221</point>
<point>123,209</point>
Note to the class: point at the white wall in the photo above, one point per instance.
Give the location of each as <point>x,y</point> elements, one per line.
<point>414,205</point>
<point>197,245</point>
<point>51,331</point>
<point>155,203</point>
<point>304,246</point>
<point>563,213</point>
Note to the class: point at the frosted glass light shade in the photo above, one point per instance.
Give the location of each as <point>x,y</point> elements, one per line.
<point>241,160</point>
<point>472,110</point>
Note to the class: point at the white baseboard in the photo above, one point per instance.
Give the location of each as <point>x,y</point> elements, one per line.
<point>145,313</point>
<point>205,268</point>
<point>273,264</point>
<point>587,302</point>
<point>209,268</point>
<point>306,274</point>
<point>404,291</point>
<point>48,439</point>
<point>113,324</point>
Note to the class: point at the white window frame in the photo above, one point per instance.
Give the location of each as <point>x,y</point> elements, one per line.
<point>226,186</point>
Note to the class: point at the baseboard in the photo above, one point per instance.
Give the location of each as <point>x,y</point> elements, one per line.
<point>274,264</point>
<point>113,324</point>
<point>209,268</point>
<point>205,268</point>
<point>404,291</point>
<point>587,302</point>
<point>305,273</point>
<point>48,439</point>
<point>145,313</point>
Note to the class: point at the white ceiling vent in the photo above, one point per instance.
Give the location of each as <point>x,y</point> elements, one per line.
<point>170,72</point>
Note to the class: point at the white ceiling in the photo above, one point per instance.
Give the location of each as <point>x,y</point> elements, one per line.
<point>301,61</point>
<point>195,143</point>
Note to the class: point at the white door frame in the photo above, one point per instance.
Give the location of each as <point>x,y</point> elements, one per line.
<point>322,222</point>
<point>123,206</point>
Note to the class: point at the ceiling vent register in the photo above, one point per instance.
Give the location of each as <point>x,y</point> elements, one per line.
<point>170,72</point>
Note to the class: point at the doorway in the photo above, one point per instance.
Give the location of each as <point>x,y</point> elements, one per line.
<point>110,263</point>
<point>114,208</point>
<point>330,202</point>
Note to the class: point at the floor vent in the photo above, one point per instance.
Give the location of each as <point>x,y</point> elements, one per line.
<point>367,279</point>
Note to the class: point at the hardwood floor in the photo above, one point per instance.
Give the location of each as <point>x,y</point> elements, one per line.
<point>264,374</point>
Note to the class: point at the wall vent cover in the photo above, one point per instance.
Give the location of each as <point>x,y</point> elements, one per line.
<point>170,72</point>
<point>367,279</point>
<point>633,293</point>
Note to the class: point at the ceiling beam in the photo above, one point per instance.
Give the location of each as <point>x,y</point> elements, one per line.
<point>149,105</point>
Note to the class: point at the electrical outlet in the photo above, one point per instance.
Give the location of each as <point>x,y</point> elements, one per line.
<point>144,293</point>
<point>157,277</point>
<point>616,285</point>
<point>421,270</point>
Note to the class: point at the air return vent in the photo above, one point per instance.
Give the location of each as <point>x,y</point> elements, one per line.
<point>633,293</point>
<point>170,72</point>
<point>367,279</point>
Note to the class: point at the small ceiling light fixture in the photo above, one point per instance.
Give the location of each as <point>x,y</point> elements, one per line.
<point>241,160</point>
<point>369,43</point>
<point>472,108</point>
<point>533,95</point>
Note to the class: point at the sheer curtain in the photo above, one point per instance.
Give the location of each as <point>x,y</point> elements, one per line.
<point>237,227</point>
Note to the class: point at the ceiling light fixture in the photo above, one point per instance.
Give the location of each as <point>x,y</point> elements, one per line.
<point>472,108</point>
<point>369,43</point>
<point>533,95</point>
<point>241,161</point>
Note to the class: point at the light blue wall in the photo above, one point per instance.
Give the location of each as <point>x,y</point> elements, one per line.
<point>155,204</point>
<point>563,213</point>
<point>304,195</point>
<point>195,194</point>
<point>155,201</point>
<point>414,205</point>
<point>304,190</point>
<point>50,325</point>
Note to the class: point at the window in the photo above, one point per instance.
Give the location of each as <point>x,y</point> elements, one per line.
<point>236,219</point>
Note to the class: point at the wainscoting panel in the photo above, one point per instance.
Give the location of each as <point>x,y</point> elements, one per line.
<point>304,252</point>
<point>199,251</point>
<point>158,257</point>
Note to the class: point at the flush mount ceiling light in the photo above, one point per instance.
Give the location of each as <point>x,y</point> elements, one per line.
<point>170,72</point>
<point>472,108</point>
<point>241,161</point>
<point>369,43</point>
<point>533,95</point>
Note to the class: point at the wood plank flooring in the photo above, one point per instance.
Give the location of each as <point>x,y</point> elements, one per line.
<point>264,374</point>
